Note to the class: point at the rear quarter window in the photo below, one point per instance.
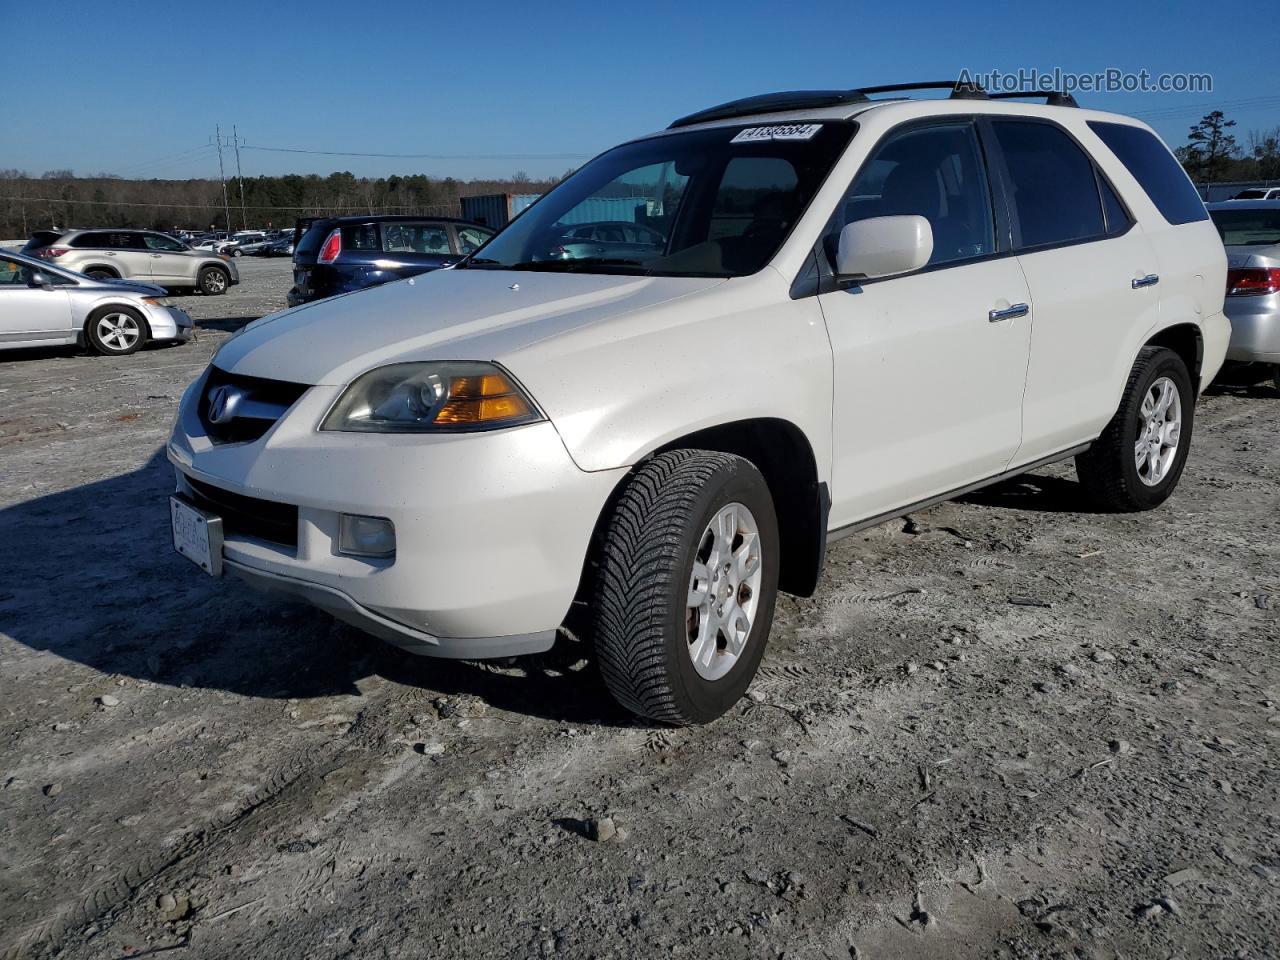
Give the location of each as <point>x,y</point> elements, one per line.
<point>361,236</point>
<point>1155,169</point>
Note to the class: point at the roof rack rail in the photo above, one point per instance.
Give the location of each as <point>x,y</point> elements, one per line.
<point>816,99</point>
<point>1053,98</point>
<point>959,91</point>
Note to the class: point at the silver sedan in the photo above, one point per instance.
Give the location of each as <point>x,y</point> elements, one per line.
<point>1250,230</point>
<point>43,306</point>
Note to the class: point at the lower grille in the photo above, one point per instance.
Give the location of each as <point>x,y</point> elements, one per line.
<point>248,516</point>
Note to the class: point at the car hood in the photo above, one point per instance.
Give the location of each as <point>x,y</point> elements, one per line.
<point>125,286</point>
<point>444,315</point>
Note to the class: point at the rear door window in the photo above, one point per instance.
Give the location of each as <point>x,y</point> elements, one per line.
<point>401,237</point>
<point>1155,169</point>
<point>1054,188</point>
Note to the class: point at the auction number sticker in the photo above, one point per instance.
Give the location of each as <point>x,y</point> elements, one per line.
<point>783,131</point>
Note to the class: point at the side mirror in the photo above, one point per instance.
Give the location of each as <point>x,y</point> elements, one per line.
<point>884,247</point>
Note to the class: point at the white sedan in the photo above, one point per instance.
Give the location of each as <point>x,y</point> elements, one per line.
<point>43,306</point>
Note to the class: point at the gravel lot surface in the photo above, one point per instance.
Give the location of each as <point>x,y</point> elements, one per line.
<point>1006,726</point>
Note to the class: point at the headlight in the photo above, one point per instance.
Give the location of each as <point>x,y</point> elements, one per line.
<point>157,301</point>
<point>444,397</point>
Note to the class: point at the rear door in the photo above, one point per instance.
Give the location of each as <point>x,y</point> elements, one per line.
<point>1086,261</point>
<point>129,253</point>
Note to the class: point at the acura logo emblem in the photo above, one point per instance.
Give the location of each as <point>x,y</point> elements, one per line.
<point>223,402</point>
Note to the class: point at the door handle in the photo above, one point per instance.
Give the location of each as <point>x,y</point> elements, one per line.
<point>155,256</point>
<point>1009,313</point>
<point>1150,280</point>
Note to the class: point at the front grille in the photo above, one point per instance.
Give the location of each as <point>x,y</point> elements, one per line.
<point>263,403</point>
<point>248,516</point>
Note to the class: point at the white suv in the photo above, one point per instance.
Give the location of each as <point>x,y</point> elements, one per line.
<point>859,307</point>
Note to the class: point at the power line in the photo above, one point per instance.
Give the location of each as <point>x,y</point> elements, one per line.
<point>213,205</point>
<point>425,156</point>
<point>1244,104</point>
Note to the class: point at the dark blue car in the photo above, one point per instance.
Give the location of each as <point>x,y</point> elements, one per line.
<point>342,254</point>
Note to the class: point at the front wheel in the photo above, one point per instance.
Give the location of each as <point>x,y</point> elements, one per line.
<point>686,585</point>
<point>1137,461</point>
<point>116,331</point>
<point>213,281</point>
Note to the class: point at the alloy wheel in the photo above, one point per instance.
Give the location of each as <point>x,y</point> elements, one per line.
<point>1159,431</point>
<point>724,591</point>
<point>118,331</point>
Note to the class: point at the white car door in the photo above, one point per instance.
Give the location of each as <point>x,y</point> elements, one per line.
<point>31,313</point>
<point>930,366</point>
<point>171,262</point>
<point>1092,275</point>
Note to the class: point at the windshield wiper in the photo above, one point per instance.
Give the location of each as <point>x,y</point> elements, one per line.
<point>582,264</point>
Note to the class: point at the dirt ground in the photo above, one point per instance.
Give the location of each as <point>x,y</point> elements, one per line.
<point>1006,726</point>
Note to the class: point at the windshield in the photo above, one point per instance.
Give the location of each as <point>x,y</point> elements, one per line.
<point>1247,228</point>
<point>706,203</point>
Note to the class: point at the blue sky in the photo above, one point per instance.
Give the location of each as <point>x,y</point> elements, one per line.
<point>136,86</point>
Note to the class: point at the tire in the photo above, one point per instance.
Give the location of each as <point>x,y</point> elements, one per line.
<point>1275,378</point>
<point>1115,473</point>
<point>646,633</point>
<point>100,274</point>
<point>237,252</point>
<point>213,281</point>
<point>116,331</point>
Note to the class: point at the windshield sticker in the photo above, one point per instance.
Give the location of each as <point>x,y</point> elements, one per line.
<point>785,131</point>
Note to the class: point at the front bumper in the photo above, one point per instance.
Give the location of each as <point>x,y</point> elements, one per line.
<point>1255,328</point>
<point>492,529</point>
<point>169,324</point>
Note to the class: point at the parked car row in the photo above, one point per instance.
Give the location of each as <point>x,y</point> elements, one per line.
<point>135,255</point>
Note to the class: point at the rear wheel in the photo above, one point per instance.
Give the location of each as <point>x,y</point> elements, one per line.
<point>686,586</point>
<point>1137,461</point>
<point>214,281</point>
<point>116,331</point>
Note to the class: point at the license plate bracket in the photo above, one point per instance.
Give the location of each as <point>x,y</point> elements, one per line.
<point>197,535</point>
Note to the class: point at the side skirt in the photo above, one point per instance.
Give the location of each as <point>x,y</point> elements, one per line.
<point>845,531</point>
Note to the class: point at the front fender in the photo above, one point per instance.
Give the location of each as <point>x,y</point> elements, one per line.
<point>620,389</point>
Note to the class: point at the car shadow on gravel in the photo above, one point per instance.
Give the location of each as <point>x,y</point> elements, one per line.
<point>102,586</point>
<point>225,324</point>
<point>1033,492</point>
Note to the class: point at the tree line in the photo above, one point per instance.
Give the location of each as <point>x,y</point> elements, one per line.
<point>1213,153</point>
<point>60,199</point>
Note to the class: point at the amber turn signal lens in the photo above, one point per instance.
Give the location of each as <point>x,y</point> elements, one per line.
<point>482,399</point>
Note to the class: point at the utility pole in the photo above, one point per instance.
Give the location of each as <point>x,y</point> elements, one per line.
<point>244,217</point>
<point>226,205</point>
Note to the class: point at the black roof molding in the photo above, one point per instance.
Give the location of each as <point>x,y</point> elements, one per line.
<point>817,99</point>
<point>1052,98</point>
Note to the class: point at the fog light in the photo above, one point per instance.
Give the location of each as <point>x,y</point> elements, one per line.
<point>366,536</point>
